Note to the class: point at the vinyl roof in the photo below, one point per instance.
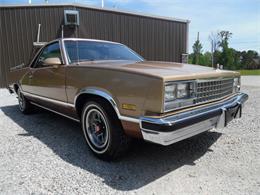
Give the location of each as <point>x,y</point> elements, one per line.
<point>98,8</point>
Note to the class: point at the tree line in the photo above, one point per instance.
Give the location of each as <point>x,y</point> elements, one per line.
<point>224,55</point>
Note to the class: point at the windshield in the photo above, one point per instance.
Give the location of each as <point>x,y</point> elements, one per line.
<point>79,51</point>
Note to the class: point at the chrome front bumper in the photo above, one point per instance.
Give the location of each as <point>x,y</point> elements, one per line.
<point>171,129</point>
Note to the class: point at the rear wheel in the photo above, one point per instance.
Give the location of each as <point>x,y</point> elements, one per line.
<point>103,130</point>
<point>24,105</point>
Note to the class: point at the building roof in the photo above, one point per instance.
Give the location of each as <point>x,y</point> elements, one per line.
<point>98,8</point>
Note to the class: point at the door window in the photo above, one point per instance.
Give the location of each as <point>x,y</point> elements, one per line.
<point>50,51</point>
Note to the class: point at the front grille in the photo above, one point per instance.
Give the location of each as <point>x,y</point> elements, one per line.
<point>213,89</point>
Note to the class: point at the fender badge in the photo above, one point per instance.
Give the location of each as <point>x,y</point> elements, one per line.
<point>129,106</point>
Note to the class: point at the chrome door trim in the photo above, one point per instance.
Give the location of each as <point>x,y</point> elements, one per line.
<point>48,99</point>
<point>55,112</point>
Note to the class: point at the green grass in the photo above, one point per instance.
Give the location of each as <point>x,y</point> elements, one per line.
<point>250,72</point>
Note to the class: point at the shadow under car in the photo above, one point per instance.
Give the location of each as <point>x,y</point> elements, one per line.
<point>144,163</point>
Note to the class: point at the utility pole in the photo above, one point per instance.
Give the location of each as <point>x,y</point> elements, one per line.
<point>197,54</point>
<point>213,39</point>
<point>212,53</point>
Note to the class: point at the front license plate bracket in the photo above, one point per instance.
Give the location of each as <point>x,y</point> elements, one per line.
<point>231,113</point>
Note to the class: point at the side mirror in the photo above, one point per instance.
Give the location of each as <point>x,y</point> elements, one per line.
<point>55,62</point>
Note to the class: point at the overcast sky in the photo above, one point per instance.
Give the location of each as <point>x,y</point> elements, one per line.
<point>241,17</point>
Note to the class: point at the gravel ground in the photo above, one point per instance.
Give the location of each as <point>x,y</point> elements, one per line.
<point>46,154</point>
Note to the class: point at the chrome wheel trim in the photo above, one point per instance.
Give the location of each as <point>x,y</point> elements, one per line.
<point>21,100</point>
<point>88,129</point>
<point>97,128</point>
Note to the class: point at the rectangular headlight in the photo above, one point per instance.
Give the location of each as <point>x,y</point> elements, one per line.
<point>183,90</point>
<point>170,92</point>
<point>178,94</point>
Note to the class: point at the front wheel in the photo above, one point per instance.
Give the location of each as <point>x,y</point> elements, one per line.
<point>103,130</point>
<point>24,105</point>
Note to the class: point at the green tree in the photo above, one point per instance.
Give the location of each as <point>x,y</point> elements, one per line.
<point>227,55</point>
<point>191,57</point>
<point>224,37</point>
<point>250,59</point>
<point>206,59</point>
<point>223,54</point>
<point>237,59</point>
<point>197,52</point>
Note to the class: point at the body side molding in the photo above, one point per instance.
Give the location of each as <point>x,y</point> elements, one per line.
<point>48,99</point>
<point>51,110</point>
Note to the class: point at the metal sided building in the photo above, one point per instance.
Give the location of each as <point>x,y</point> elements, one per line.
<point>155,38</point>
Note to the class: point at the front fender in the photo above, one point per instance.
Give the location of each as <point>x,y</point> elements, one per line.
<point>108,96</point>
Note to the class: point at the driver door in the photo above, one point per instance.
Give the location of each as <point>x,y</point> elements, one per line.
<point>46,79</point>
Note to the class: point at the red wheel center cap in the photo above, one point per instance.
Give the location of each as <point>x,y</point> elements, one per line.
<point>97,128</point>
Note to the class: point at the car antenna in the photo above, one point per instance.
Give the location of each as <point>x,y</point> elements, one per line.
<point>38,43</point>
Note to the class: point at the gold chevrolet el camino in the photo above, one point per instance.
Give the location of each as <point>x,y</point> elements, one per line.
<point>117,95</point>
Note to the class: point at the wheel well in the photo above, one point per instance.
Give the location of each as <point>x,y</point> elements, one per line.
<point>83,98</point>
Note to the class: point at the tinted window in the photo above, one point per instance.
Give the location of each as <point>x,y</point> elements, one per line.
<point>50,51</point>
<point>90,50</point>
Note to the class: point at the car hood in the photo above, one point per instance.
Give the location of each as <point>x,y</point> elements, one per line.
<point>164,70</point>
